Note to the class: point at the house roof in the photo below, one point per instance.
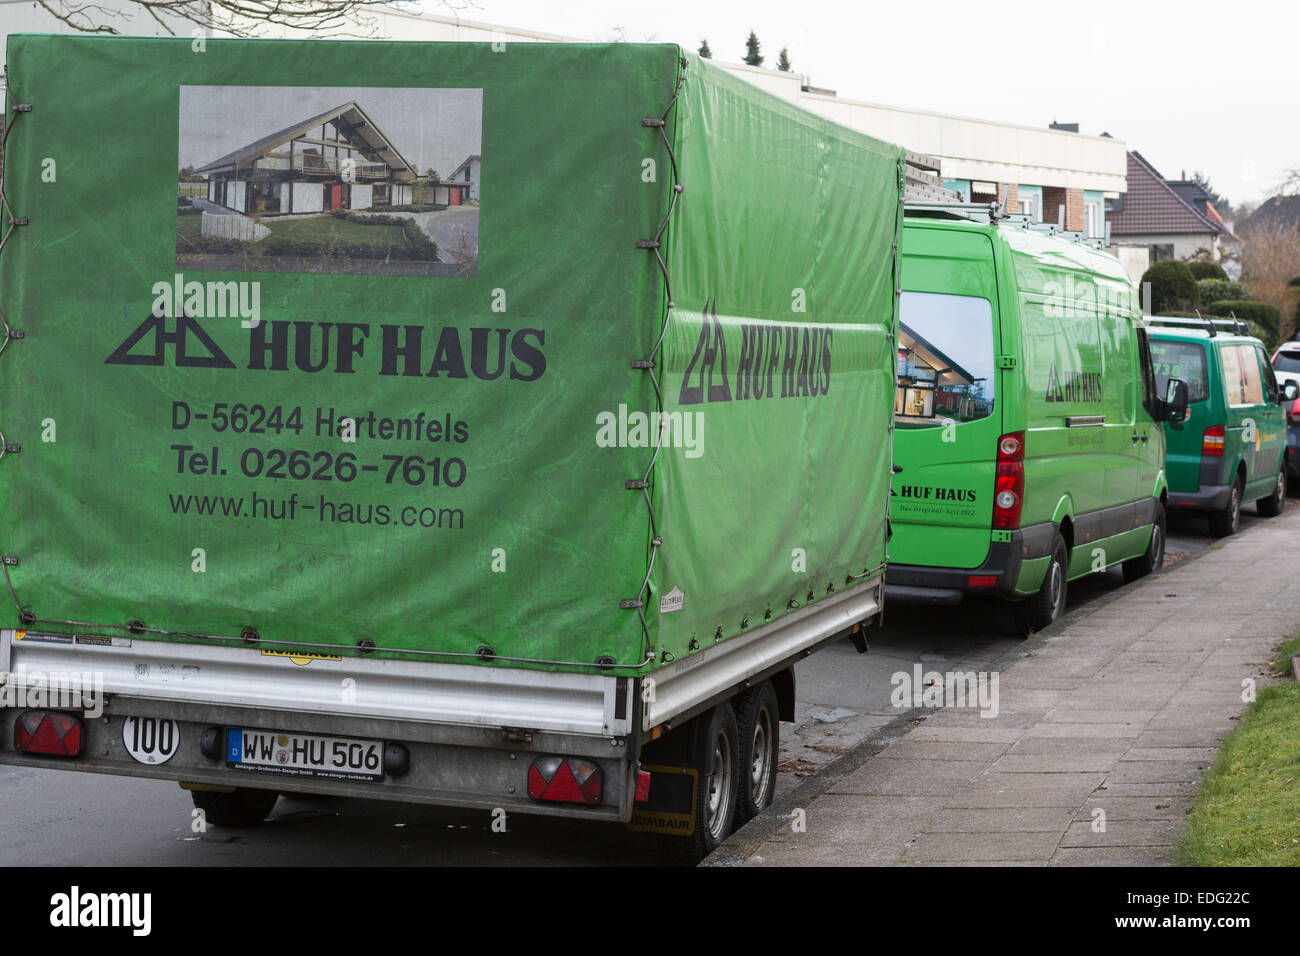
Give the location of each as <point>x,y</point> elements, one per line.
<point>1275,212</point>
<point>949,367</point>
<point>1153,207</point>
<point>350,113</point>
<point>468,159</point>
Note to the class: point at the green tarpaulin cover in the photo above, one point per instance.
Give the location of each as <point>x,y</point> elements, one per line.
<point>342,342</point>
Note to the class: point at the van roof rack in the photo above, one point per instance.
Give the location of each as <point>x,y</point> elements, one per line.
<point>991,212</point>
<point>1203,323</point>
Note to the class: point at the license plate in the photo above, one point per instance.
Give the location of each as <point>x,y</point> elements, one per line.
<point>305,755</point>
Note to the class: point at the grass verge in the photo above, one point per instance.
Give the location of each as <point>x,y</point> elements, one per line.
<point>1248,810</point>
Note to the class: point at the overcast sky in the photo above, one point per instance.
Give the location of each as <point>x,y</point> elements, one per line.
<point>429,127</point>
<point>1191,85</point>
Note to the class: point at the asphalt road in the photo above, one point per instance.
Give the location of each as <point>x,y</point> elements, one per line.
<point>59,818</point>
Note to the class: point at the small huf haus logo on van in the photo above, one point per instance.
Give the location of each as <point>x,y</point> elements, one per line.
<point>1073,386</point>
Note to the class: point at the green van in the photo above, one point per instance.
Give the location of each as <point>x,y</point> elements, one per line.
<point>1232,448</point>
<point>1028,447</point>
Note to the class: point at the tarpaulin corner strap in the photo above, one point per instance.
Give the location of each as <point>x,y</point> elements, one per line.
<point>648,365</point>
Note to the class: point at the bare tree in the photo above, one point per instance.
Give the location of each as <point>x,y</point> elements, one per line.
<point>242,18</point>
<point>1270,259</point>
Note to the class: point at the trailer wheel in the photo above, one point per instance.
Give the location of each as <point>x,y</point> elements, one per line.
<point>242,807</point>
<point>759,728</point>
<point>1036,612</point>
<point>717,761</point>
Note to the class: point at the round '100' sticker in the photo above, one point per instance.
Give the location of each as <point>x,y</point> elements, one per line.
<point>151,740</point>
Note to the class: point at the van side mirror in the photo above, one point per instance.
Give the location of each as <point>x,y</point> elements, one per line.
<point>1175,404</point>
<point>1289,391</point>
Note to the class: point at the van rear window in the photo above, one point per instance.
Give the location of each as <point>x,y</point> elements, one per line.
<point>945,359</point>
<point>1185,360</point>
<point>1287,361</point>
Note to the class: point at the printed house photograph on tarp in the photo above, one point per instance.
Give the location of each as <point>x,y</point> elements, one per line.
<point>360,181</point>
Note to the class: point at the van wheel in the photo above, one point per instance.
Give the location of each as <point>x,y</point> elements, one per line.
<point>1154,558</point>
<point>759,730</point>
<point>1271,506</point>
<point>1035,613</point>
<point>242,807</point>
<point>1227,521</point>
<point>717,761</point>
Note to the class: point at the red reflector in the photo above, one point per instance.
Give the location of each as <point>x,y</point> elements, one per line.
<point>47,732</point>
<point>559,780</point>
<point>642,786</point>
<point>981,580</point>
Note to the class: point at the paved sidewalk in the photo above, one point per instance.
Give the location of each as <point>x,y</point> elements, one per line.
<point>1115,713</point>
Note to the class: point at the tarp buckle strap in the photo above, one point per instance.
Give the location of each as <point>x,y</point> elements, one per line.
<point>647,243</point>
<point>12,449</point>
<point>635,484</point>
<point>642,363</point>
<point>23,108</point>
<point>628,605</point>
<point>9,561</point>
<point>14,333</point>
<point>652,121</point>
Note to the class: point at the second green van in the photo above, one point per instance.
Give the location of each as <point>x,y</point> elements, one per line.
<point>1028,445</point>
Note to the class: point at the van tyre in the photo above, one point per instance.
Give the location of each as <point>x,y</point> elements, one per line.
<point>242,807</point>
<point>1154,558</point>
<point>1271,506</point>
<point>1227,521</point>
<point>1036,612</point>
<point>717,762</point>
<point>759,726</point>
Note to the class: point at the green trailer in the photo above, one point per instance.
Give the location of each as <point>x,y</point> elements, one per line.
<point>492,491</point>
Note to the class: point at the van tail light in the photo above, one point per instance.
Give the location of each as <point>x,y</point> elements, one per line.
<point>564,780</point>
<point>1213,442</point>
<point>47,732</point>
<point>1009,483</point>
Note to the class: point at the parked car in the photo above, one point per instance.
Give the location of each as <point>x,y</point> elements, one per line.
<point>1233,445</point>
<point>1027,447</point>
<point>1286,363</point>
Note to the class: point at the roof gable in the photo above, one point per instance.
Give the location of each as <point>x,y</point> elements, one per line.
<point>1152,207</point>
<point>350,113</point>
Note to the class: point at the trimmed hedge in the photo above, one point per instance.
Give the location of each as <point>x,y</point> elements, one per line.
<point>1207,270</point>
<point>1217,290</point>
<point>1261,313</point>
<point>1173,288</point>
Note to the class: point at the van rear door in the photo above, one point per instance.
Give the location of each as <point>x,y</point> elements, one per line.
<point>946,414</point>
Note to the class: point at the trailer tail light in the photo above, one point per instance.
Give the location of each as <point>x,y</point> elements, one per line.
<point>1009,484</point>
<point>564,780</point>
<point>642,786</point>
<point>47,732</point>
<point>1213,442</point>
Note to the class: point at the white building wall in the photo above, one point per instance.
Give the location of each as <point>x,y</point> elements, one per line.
<point>308,197</point>
<point>361,196</point>
<point>401,195</point>
<point>236,198</point>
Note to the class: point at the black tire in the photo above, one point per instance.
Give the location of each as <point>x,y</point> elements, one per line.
<point>1272,506</point>
<point>1036,612</point>
<point>716,739</point>
<point>758,727</point>
<point>1154,558</point>
<point>1226,522</point>
<point>241,807</point>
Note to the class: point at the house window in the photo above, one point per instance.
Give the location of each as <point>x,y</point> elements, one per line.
<point>1161,252</point>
